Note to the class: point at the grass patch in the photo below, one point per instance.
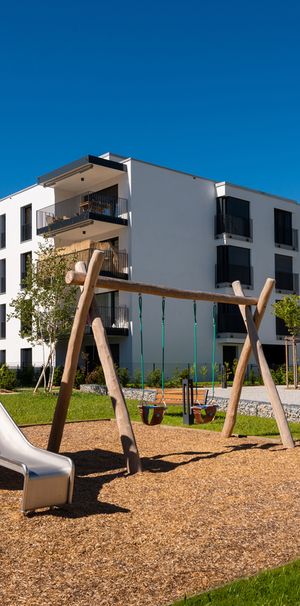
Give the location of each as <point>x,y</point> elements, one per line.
<point>28,408</point>
<point>278,587</point>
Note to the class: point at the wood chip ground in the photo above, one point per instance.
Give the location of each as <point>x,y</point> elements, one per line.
<point>206,511</point>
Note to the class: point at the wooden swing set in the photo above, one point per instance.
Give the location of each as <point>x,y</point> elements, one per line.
<point>87,306</point>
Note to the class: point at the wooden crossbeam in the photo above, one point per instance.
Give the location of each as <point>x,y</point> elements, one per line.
<point>78,278</point>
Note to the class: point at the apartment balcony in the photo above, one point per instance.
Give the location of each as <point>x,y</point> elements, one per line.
<point>115,320</point>
<point>80,212</point>
<point>230,324</point>
<point>233,227</point>
<point>224,276</point>
<point>287,282</point>
<point>286,238</point>
<point>115,262</point>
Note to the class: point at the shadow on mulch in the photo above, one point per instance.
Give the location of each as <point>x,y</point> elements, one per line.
<point>94,468</point>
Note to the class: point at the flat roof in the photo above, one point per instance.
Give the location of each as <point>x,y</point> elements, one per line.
<point>78,166</point>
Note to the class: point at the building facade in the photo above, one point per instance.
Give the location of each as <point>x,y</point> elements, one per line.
<point>155,225</point>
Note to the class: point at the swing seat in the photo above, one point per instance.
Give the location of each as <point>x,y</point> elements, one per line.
<point>204,413</point>
<point>157,415</point>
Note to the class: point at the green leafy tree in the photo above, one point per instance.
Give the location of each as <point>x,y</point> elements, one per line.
<point>45,304</point>
<point>288,309</point>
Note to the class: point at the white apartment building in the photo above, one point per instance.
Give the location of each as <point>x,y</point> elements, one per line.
<point>157,225</point>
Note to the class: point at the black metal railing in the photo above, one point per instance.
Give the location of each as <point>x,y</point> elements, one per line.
<point>75,210</point>
<point>233,226</point>
<point>115,262</point>
<point>227,275</point>
<point>229,322</point>
<point>115,318</point>
<point>286,281</point>
<point>286,238</point>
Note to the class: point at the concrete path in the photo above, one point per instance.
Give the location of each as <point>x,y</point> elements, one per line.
<point>259,394</point>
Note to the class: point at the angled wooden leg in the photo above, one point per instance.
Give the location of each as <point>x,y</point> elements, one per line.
<point>257,348</point>
<point>243,361</point>
<point>113,386</point>
<point>73,351</point>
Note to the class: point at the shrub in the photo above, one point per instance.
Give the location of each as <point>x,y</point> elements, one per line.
<point>79,378</point>
<point>137,378</point>
<point>7,378</point>
<point>154,378</point>
<point>95,376</point>
<point>58,373</point>
<point>123,375</point>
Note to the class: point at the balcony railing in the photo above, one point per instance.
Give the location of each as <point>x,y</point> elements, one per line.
<point>287,282</point>
<point>233,227</point>
<point>115,319</point>
<point>115,262</point>
<point>74,211</point>
<point>225,276</point>
<point>230,323</point>
<point>286,238</point>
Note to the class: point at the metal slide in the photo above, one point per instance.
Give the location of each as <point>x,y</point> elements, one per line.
<point>48,477</point>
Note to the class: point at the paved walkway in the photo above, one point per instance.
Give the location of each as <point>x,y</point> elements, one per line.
<point>259,394</point>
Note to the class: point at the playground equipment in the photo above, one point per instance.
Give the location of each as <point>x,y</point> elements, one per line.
<point>158,407</point>
<point>203,412</point>
<point>191,398</point>
<point>89,281</point>
<point>48,477</point>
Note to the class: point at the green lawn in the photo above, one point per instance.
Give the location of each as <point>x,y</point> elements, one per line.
<point>278,587</point>
<point>27,408</point>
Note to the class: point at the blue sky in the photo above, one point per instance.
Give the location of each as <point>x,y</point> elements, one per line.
<point>208,87</point>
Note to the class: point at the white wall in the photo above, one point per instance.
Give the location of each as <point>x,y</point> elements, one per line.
<point>38,197</point>
<point>172,244</point>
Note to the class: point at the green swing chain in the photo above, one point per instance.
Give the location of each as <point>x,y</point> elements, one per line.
<point>142,345</point>
<point>195,348</point>
<point>163,304</point>
<point>214,315</point>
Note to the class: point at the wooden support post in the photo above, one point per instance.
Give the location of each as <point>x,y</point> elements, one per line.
<point>126,433</point>
<point>243,361</point>
<point>257,348</point>
<point>73,351</point>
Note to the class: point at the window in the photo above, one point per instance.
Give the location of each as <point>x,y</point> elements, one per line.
<point>26,223</point>
<point>2,356</point>
<point>26,260</point>
<point>26,357</point>
<point>2,231</point>
<point>233,217</point>
<point>284,235</point>
<point>285,279</point>
<point>3,321</point>
<point>2,276</point>
<point>233,263</point>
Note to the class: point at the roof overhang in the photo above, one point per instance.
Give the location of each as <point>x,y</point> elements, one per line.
<point>82,175</point>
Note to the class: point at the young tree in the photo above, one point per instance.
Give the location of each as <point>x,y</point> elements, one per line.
<point>45,304</point>
<point>288,309</point>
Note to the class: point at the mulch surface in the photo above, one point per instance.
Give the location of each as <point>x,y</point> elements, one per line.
<point>205,511</point>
